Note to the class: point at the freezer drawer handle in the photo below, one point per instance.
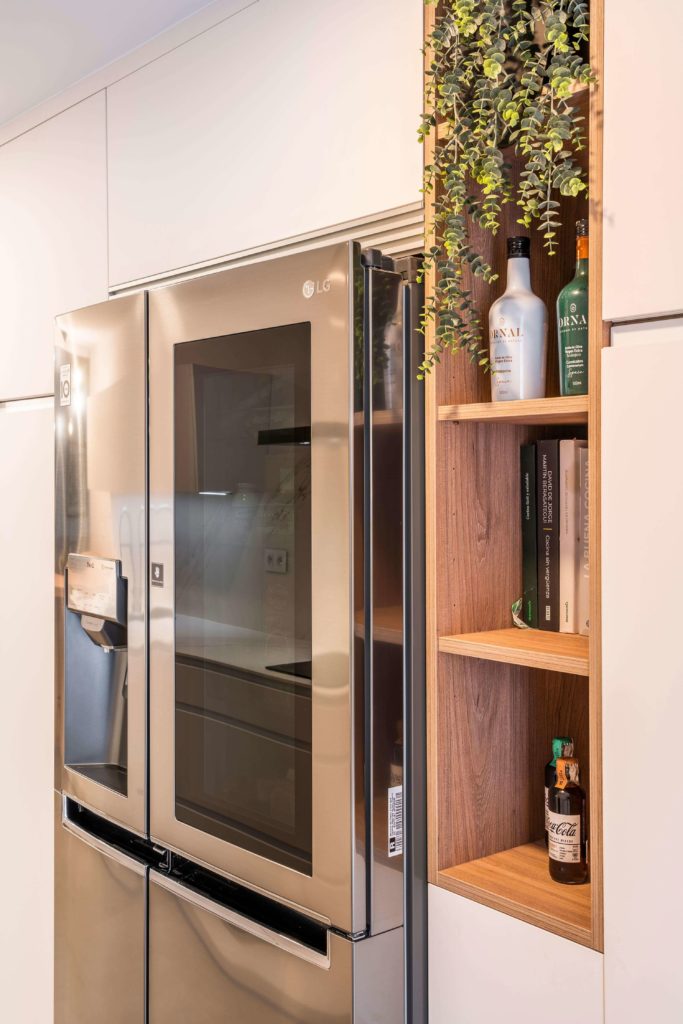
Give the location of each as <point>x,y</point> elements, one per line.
<point>97,844</point>
<point>244,924</point>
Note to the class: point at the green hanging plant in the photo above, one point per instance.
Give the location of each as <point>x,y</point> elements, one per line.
<point>501,74</point>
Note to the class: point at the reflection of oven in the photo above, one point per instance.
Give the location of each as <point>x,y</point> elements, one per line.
<point>245,832</point>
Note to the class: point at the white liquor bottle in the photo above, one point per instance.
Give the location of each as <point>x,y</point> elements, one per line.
<point>518,332</point>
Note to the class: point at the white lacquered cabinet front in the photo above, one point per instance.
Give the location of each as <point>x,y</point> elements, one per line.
<point>486,967</point>
<point>642,567</point>
<point>53,242</point>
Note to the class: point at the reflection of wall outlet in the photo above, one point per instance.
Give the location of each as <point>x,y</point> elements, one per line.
<point>275,560</point>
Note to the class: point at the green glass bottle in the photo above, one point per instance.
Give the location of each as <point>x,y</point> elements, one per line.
<point>572,322</point>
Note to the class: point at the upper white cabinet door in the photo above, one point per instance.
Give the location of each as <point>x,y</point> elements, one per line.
<point>53,239</point>
<point>642,568</point>
<point>27,719</point>
<point>488,968</point>
<point>287,118</point>
<point>643,202</point>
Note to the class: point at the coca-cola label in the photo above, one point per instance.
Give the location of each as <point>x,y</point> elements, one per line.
<point>564,837</point>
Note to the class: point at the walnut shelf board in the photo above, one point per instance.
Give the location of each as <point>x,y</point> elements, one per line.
<point>536,411</point>
<point>535,648</point>
<point>518,883</point>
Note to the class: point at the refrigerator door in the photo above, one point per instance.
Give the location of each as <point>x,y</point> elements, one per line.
<point>100,922</point>
<point>256,548</point>
<point>100,559</point>
<point>209,965</point>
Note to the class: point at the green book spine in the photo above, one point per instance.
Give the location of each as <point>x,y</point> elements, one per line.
<point>529,535</point>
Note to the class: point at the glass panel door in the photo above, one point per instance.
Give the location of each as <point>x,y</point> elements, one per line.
<point>242,464</point>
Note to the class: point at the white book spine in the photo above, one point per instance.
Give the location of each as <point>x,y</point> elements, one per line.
<point>582,546</point>
<point>569,529</point>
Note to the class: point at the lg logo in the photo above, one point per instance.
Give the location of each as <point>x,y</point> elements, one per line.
<point>312,288</point>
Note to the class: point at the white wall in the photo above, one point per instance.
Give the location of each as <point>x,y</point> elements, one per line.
<point>53,239</point>
<point>284,119</point>
<point>486,967</point>
<point>26,722</point>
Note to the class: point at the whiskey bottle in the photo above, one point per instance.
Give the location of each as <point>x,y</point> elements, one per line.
<point>563,746</point>
<point>518,332</point>
<point>567,825</point>
<point>572,322</point>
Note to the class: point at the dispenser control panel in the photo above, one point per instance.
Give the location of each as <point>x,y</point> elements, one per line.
<point>95,587</point>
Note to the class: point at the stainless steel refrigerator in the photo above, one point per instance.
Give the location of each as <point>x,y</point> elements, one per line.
<point>239,602</point>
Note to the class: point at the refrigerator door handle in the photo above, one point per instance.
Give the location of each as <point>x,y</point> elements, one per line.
<point>245,924</point>
<point>100,846</point>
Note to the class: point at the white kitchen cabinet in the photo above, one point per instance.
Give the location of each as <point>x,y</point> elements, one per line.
<point>642,568</point>
<point>284,119</point>
<point>486,967</point>
<point>26,722</point>
<point>53,238</point>
<point>642,200</point>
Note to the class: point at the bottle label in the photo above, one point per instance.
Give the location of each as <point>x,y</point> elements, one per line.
<point>573,329</point>
<point>564,837</point>
<point>506,359</point>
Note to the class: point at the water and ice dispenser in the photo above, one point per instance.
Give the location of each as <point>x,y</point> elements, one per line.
<point>96,677</point>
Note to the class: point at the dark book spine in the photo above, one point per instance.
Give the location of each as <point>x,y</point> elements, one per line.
<point>548,512</point>
<point>529,535</point>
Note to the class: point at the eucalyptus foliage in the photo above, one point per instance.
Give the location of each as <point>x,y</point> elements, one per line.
<point>501,74</point>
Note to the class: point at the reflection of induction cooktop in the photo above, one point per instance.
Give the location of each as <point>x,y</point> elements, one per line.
<point>293,668</point>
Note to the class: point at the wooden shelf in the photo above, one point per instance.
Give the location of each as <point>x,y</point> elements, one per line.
<point>535,648</point>
<point>517,882</point>
<point>387,625</point>
<point>490,727</point>
<point>380,418</point>
<point>537,411</point>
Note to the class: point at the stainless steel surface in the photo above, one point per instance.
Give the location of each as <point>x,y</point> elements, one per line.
<point>385,548</point>
<point>260,297</point>
<point>92,586</point>
<point>100,919</point>
<point>245,924</point>
<point>100,412</point>
<point>415,732</point>
<point>136,866</point>
<point>206,970</point>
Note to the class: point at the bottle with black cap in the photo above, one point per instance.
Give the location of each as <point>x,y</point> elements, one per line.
<point>518,332</point>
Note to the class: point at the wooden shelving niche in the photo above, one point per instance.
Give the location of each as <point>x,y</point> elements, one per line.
<point>496,694</point>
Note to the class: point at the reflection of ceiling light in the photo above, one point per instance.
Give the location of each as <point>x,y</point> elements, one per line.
<point>215,494</point>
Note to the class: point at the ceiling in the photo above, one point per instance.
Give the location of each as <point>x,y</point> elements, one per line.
<point>47,45</point>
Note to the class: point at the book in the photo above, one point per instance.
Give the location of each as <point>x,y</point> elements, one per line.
<point>529,535</point>
<point>570,529</point>
<point>547,478</point>
<point>582,544</point>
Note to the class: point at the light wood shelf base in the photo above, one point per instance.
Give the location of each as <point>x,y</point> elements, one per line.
<point>532,412</point>
<point>534,648</point>
<point>517,882</point>
<point>387,625</point>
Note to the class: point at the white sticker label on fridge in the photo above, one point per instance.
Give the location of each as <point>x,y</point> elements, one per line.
<point>395,805</point>
<point>65,384</point>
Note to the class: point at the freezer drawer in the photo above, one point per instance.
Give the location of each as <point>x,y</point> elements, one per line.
<point>211,965</point>
<point>100,912</point>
